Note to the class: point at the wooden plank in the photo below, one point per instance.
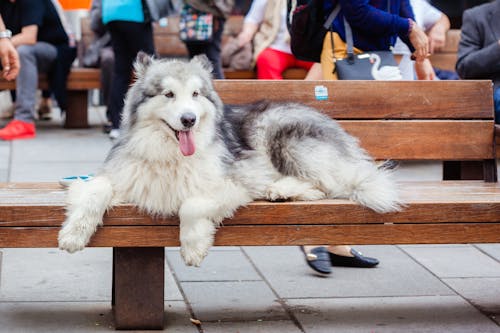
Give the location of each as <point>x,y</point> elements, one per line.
<point>381,100</point>
<point>425,140</point>
<point>264,235</point>
<point>445,202</point>
<point>78,79</point>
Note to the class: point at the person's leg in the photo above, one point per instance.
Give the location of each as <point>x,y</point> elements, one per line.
<point>33,59</point>
<point>107,63</point>
<point>127,39</point>
<point>272,63</point>
<point>211,49</point>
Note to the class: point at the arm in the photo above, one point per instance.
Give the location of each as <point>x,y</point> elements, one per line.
<point>367,18</point>
<point>252,22</point>
<point>27,36</point>
<point>475,61</point>
<point>437,34</point>
<point>248,31</point>
<point>8,56</point>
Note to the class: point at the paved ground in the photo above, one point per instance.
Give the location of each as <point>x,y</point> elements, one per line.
<point>450,288</point>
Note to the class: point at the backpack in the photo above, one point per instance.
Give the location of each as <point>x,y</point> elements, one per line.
<point>305,25</point>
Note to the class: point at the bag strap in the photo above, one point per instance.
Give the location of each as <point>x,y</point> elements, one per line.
<point>349,38</point>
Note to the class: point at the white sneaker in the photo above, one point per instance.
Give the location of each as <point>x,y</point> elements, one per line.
<point>114,134</point>
<point>8,112</point>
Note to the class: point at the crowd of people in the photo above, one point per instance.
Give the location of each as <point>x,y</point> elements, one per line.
<point>36,38</point>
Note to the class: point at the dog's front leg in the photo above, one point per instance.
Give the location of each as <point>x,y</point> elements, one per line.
<point>87,203</point>
<point>197,228</point>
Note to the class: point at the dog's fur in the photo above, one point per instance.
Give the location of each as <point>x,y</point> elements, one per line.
<point>183,153</point>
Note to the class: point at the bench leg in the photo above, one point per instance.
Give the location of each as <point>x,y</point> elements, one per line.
<point>77,114</point>
<point>138,287</point>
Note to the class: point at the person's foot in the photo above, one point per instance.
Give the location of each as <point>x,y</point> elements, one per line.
<point>44,112</point>
<point>356,260</point>
<point>318,259</point>
<point>114,134</point>
<point>107,127</point>
<point>8,112</point>
<point>17,129</point>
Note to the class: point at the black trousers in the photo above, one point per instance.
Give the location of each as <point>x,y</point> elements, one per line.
<point>211,49</point>
<point>127,39</point>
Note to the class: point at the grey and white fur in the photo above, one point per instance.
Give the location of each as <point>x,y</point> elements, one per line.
<point>182,152</point>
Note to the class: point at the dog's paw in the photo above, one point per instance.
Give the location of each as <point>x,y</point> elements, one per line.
<point>279,191</point>
<point>193,256</point>
<point>196,241</point>
<point>70,240</point>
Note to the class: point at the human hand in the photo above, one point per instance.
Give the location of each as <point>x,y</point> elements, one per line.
<point>424,70</point>
<point>420,42</point>
<point>437,39</point>
<point>9,59</point>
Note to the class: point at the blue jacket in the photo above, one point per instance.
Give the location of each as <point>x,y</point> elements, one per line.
<point>373,26</point>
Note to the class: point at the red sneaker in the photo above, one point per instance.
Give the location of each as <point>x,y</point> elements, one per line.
<point>17,129</point>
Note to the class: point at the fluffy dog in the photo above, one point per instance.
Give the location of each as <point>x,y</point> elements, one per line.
<point>183,153</point>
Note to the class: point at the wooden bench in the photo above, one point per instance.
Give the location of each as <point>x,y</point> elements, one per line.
<point>443,121</point>
<point>80,82</point>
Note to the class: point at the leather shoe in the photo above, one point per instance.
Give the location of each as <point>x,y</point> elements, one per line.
<point>318,260</point>
<point>358,260</point>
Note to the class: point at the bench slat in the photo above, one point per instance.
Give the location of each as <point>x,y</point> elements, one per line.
<point>381,100</point>
<point>428,202</point>
<point>424,139</point>
<point>162,236</point>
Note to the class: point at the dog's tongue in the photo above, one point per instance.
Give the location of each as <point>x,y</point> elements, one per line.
<point>186,143</point>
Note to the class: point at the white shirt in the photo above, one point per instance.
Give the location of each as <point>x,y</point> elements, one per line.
<point>256,15</point>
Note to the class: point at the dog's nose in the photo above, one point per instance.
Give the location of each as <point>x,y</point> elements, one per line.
<point>188,119</point>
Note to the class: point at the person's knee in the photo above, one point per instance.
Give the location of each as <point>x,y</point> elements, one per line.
<point>25,51</point>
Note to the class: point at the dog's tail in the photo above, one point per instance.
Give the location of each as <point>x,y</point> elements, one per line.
<point>376,189</point>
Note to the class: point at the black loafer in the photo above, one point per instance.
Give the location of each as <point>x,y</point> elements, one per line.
<point>359,260</point>
<point>318,259</point>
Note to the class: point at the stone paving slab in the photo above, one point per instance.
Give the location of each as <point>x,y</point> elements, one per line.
<point>84,317</point>
<point>483,293</point>
<point>397,275</point>
<point>425,314</point>
<point>492,250</point>
<point>259,326</point>
<point>222,265</point>
<point>233,301</point>
<point>455,261</point>
<point>51,275</point>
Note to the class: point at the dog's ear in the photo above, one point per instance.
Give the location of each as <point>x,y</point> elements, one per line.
<point>204,62</point>
<point>142,62</point>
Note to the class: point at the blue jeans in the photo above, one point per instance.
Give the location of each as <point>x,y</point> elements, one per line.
<point>34,59</point>
<point>496,99</point>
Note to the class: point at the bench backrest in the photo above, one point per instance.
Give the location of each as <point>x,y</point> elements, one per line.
<point>409,120</point>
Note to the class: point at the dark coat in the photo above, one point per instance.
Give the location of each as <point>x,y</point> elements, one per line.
<point>479,48</point>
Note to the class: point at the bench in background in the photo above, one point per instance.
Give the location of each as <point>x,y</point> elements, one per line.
<point>441,121</point>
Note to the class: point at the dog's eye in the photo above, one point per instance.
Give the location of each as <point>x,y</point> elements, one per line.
<point>169,94</point>
<point>195,94</point>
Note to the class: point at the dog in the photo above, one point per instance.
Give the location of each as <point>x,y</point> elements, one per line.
<point>183,152</point>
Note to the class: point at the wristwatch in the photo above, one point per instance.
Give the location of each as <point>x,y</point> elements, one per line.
<point>6,34</point>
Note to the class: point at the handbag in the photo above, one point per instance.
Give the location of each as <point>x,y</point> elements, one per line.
<point>372,65</point>
<point>306,29</point>
<point>195,25</point>
<point>122,10</point>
